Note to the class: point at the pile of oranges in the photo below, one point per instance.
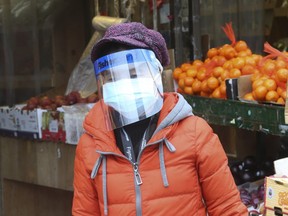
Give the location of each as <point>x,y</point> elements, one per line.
<point>207,78</point>
<point>269,83</point>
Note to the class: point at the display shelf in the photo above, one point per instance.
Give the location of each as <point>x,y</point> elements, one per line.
<point>266,118</point>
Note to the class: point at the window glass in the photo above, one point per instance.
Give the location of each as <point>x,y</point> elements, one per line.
<point>40,43</point>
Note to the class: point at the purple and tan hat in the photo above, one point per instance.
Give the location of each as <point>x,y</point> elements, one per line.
<point>137,35</point>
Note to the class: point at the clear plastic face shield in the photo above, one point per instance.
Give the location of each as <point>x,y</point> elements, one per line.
<point>129,86</point>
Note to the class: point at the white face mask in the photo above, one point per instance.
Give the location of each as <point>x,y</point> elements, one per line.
<point>133,98</point>
<point>129,85</point>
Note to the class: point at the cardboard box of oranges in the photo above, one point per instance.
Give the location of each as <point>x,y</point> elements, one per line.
<point>276,196</point>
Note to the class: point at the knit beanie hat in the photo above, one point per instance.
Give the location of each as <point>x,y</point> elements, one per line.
<point>137,35</point>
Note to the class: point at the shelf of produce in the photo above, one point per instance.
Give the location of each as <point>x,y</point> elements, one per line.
<point>266,118</point>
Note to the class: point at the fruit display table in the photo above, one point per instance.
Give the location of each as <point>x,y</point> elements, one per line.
<point>266,118</point>
<point>37,177</point>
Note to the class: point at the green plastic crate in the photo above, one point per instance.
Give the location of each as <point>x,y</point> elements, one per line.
<point>267,118</point>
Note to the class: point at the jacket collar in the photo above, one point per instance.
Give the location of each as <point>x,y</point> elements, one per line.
<point>94,123</point>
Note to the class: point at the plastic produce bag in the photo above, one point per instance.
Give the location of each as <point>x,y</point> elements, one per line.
<point>73,118</point>
<point>83,78</point>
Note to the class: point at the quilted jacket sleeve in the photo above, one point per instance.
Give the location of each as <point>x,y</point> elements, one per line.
<point>85,200</point>
<point>219,190</point>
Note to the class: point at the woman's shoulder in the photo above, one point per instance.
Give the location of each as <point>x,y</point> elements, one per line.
<point>86,151</point>
<point>195,122</point>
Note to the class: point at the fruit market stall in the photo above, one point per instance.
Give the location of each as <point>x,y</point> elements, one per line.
<point>37,149</point>
<point>232,86</point>
<point>38,138</point>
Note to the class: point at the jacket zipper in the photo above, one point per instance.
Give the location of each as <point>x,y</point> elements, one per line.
<point>138,180</point>
<point>137,174</point>
<point>135,166</point>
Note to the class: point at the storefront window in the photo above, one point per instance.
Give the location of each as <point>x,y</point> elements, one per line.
<point>247,18</point>
<point>41,41</point>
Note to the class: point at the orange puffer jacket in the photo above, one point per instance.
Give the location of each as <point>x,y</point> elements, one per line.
<point>181,171</point>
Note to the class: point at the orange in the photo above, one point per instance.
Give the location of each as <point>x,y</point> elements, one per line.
<point>256,83</point>
<point>197,63</point>
<point>270,84</point>
<point>212,52</point>
<point>224,75</point>
<point>228,52</point>
<point>196,86</point>
<point>238,62</point>
<point>185,66</point>
<point>247,69</point>
<point>212,83</point>
<point>181,83</point>
<point>257,57</point>
<point>274,76</point>
<point>234,73</point>
<point>188,81</point>
<point>176,72</point>
<point>259,93</point>
<point>204,87</point>
<point>249,60</point>
<point>216,93</point>
<point>269,67</point>
<point>248,96</point>
<point>188,90</point>
<point>228,65</point>
<point>280,63</point>
<point>201,74</point>
<point>191,72</point>
<point>217,71</point>
<point>282,74</point>
<point>182,75</point>
<point>207,61</point>
<point>280,101</point>
<point>249,52</point>
<point>284,95</point>
<point>242,54</point>
<point>256,70</point>
<point>219,60</point>
<point>220,50</point>
<point>264,76</point>
<point>204,94</point>
<point>272,96</point>
<point>255,76</point>
<point>279,90</point>
<point>223,88</point>
<point>241,46</point>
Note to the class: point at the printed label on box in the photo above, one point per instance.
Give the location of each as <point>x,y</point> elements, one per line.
<point>53,127</point>
<point>276,194</point>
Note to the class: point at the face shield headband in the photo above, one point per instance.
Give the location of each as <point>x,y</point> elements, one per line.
<point>129,86</point>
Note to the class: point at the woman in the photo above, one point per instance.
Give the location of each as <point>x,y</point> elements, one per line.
<point>143,151</point>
